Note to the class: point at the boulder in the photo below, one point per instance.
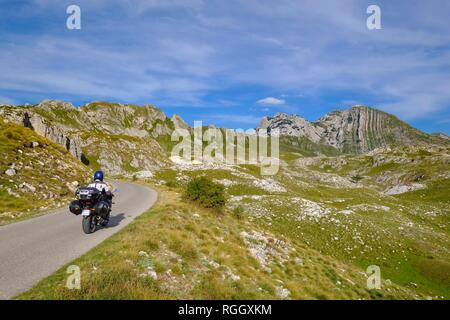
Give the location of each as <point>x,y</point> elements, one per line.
<point>27,187</point>
<point>403,188</point>
<point>144,174</point>
<point>10,172</point>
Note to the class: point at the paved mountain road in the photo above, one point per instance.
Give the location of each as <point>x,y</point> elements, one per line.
<point>33,249</point>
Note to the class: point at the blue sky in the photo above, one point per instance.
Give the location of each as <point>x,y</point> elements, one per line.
<point>232,62</point>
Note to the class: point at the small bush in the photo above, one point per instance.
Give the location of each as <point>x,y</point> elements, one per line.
<point>356,178</point>
<point>238,212</point>
<point>171,184</point>
<point>204,191</point>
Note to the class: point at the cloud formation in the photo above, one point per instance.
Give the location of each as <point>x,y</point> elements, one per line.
<point>271,101</point>
<point>198,53</point>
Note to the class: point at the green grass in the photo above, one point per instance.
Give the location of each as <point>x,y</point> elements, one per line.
<point>437,191</point>
<point>396,250</point>
<point>194,252</point>
<point>383,168</point>
<point>305,147</point>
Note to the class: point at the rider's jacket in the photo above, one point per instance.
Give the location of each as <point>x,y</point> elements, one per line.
<point>99,185</point>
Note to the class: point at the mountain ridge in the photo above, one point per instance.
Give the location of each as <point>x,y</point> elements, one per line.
<point>124,139</point>
<point>359,129</point>
<point>324,217</point>
<point>121,138</point>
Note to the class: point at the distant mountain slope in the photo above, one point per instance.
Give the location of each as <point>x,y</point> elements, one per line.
<point>126,139</point>
<point>356,130</point>
<point>361,129</point>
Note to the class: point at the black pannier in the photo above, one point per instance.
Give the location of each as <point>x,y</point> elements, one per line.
<point>75,207</point>
<point>102,208</point>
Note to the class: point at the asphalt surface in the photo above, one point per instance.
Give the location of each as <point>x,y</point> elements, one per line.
<point>33,249</point>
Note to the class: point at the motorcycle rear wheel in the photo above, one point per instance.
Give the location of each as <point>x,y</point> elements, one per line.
<point>89,225</point>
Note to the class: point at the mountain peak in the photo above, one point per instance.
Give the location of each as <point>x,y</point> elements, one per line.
<point>281,115</point>
<point>291,125</point>
<point>179,123</point>
<point>55,104</point>
<point>358,129</point>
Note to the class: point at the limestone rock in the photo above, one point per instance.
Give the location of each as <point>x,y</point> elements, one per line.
<point>291,126</point>
<point>179,123</point>
<point>144,174</point>
<point>10,172</point>
<point>27,187</point>
<point>359,129</point>
<point>403,188</point>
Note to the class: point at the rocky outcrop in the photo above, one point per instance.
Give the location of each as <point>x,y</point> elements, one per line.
<point>361,129</point>
<point>441,135</point>
<point>128,119</point>
<point>36,171</point>
<point>356,130</point>
<point>56,133</point>
<point>292,126</point>
<point>179,123</point>
<point>30,118</point>
<point>403,188</point>
<point>112,126</point>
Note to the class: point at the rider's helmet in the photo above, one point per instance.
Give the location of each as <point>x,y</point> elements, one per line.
<point>98,176</point>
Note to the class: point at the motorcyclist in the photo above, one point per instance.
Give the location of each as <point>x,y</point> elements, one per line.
<point>101,186</point>
<point>98,182</point>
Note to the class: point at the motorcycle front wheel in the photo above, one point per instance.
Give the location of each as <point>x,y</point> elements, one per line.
<point>89,224</point>
<point>105,221</point>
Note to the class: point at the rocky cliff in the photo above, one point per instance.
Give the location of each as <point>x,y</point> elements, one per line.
<point>355,130</point>
<point>31,117</point>
<point>119,138</point>
<point>293,125</point>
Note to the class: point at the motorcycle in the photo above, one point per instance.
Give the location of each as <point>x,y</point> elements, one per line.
<point>94,206</point>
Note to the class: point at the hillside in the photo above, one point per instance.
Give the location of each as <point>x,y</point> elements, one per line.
<point>120,139</point>
<point>310,232</point>
<point>389,208</point>
<point>36,174</point>
<point>129,140</point>
<point>355,189</point>
<point>180,251</point>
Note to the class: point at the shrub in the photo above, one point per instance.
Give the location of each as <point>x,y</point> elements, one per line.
<point>238,212</point>
<point>356,178</point>
<point>205,192</point>
<point>171,184</point>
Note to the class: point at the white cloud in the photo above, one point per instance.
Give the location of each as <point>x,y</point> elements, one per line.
<point>271,101</point>
<point>180,53</point>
